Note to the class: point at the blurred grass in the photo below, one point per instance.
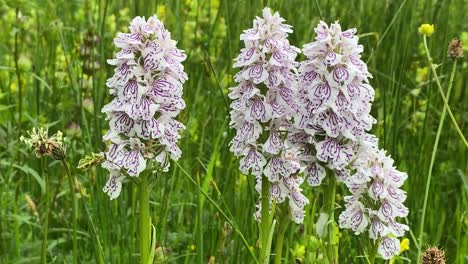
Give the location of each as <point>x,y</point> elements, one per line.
<point>61,50</point>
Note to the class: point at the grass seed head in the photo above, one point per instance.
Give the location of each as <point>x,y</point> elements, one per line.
<point>32,206</point>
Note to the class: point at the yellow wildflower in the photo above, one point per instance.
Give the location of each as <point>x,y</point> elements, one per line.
<point>426,29</point>
<point>404,245</point>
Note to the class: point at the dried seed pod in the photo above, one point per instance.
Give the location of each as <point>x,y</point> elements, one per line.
<point>433,255</point>
<point>455,49</point>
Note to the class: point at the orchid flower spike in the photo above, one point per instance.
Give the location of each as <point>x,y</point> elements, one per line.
<point>262,110</point>
<point>147,89</point>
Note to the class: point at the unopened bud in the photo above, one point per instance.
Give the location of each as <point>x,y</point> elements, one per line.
<point>91,161</point>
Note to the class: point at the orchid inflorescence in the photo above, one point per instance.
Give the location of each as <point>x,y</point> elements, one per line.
<point>376,200</point>
<point>147,89</point>
<point>298,121</point>
<point>335,100</point>
<point>263,107</point>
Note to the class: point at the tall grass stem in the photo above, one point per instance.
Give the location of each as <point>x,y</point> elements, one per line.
<point>434,152</point>
<point>71,184</point>
<point>441,91</point>
<point>45,226</point>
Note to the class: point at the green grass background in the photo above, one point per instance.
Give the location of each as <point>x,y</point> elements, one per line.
<point>50,76</point>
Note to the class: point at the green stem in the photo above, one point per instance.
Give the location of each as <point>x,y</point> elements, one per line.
<point>434,152</point>
<point>17,230</point>
<point>265,223</point>
<point>145,221</point>
<point>441,91</point>
<point>18,74</point>
<point>283,226</point>
<point>279,247</point>
<point>331,245</point>
<point>45,226</point>
<point>373,245</point>
<point>200,224</point>
<point>71,182</point>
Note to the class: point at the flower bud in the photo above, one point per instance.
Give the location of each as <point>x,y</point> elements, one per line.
<point>91,161</point>
<point>58,153</point>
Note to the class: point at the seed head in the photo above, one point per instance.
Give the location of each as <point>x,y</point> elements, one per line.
<point>433,255</point>
<point>455,49</point>
<point>32,206</point>
<point>43,145</point>
<point>426,29</point>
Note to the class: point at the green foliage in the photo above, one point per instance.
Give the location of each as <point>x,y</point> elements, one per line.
<point>53,59</point>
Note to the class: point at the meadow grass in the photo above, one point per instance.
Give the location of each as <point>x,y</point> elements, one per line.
<point>53,72</point>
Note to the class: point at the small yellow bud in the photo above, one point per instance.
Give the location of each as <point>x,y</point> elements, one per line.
<point>426,29</point>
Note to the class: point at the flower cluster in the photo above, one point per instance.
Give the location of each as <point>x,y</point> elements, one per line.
<point>332,127</point>
<point>43,145</point>
<point>147,90</point>
<point>376,200</point>
<point>263,107</point>
<point>335,101</point>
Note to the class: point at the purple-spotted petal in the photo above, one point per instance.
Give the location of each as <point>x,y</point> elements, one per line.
<point>314,174</point>
<point>389,247</point>
<point>114,184</point>
<point>253,161</point>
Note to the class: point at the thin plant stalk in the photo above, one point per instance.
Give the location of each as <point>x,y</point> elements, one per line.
<point>45,226</point>
<point>18,74</point>
<point>17,231</point>
<point>434,151</point>
<point>200,224</point>
<point>145,220</point>
<point>71,185</point>
<point>441,91</point>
